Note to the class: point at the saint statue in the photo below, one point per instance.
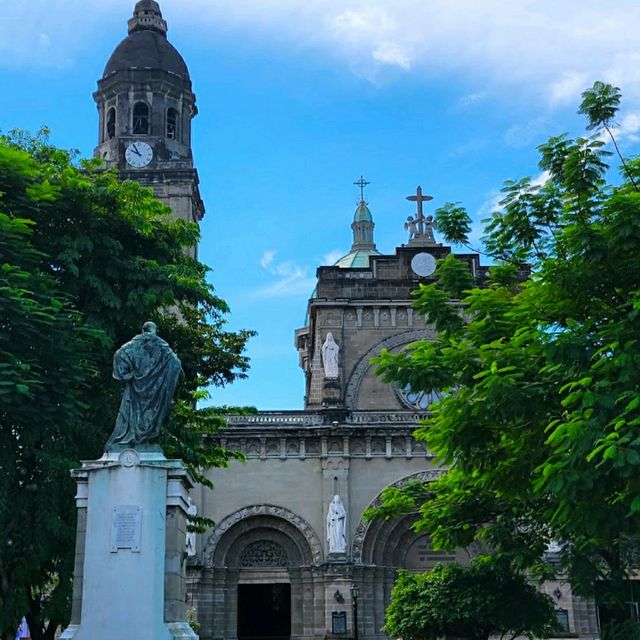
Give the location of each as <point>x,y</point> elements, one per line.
<point>336,521</point>
<point>330,351</point>
<point>190,546</point>
<point>150,371</point>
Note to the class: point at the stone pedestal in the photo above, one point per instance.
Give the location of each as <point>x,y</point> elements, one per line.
<point>331,393</point>
<point>129,575</point>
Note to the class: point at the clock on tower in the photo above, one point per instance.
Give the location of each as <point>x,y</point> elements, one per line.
<point>146,104</point>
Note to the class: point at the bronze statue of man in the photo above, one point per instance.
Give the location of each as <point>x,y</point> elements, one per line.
<point>151,371</point>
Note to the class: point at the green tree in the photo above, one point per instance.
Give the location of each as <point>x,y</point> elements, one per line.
<point>542,371</point>
<point>84,261</point>
<point>474,602</point>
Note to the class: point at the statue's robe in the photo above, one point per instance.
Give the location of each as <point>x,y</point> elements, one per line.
<point>151,371</point>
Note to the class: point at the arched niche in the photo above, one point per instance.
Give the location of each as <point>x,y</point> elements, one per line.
<point>362,374</point>
<point>263,522</point>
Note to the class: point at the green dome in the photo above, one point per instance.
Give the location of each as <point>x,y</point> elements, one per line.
<point>362,213</point>
<point>357,258</point>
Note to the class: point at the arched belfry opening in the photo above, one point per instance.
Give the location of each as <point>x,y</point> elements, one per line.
<point>141,119</point>
<point>172,124</point>
<point>111,123</point>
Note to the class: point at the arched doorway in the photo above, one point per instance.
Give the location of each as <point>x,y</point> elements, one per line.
<point>261,574</point>
<point>264,587</point>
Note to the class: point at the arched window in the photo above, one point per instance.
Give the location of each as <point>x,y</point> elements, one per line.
<point>172,123</point>
<point>141,118</point>
<point>111,123</point>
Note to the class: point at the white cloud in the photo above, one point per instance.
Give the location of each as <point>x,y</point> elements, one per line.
<point>333,256</point>
<point>267,258</point>
<point>288,278</point>
<point>568,88</point>
<point>392,54</point>
<point>471,99</point>
<point>629,128</point>
<point>524,135</point>
<point>492,202</point>
<point>545,48</point>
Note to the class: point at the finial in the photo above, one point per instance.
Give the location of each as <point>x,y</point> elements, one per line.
<point>147,16</point>
<point>362,183</point>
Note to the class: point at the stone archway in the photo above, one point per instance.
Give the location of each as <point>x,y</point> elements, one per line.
<point>360,370</point>
<point>278,514</point>
<point>256,558</point>
<point>380,547</point>
<point>370,530</point>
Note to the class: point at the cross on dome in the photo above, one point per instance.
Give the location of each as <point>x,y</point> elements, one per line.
<point>362,183</point>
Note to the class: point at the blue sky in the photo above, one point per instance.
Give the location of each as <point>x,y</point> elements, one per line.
<point>298,99</point>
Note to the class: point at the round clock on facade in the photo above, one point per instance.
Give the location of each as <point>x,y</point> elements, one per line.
<point>138,154</point>
<point>423,264</point>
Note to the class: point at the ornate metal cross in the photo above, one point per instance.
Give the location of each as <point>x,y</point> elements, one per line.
<point>362,183</point>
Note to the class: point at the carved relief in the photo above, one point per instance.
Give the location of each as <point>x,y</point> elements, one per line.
<point>313,447</point>
<point>263,553</point>
<point>335,445</point>
<point>398,446</point>
<point>253,448</point>
<point>356,447</point>
<point>378,446</point>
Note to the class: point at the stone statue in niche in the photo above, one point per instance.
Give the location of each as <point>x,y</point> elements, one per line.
<point>330,352</point>
<point>190,545</point>
<point>150,371</point>
<point>336,526</point>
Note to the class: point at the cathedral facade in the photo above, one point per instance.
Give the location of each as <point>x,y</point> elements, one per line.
<point>292,554</point>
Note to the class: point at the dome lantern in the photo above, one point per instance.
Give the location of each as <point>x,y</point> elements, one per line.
<point>147,16</point>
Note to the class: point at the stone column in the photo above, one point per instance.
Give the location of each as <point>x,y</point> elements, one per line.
<point>130,543</point>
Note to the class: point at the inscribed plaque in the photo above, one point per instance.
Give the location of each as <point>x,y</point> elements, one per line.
<point>338,622</point>
<point>126,521</point>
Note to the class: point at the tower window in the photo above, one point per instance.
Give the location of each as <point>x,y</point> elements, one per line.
<point>141,118</point>
<point>111,123</point>
<point>172,123</point>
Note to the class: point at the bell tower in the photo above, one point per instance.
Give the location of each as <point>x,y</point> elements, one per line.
<point>146,104</point>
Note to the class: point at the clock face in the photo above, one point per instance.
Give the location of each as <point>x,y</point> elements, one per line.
<point>423,264</point>
<point>138,154</point>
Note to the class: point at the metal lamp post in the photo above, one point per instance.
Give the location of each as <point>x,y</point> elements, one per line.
<point>355,592</point>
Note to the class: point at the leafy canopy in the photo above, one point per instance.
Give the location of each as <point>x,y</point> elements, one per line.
<point>542,371</point>
<point>475,602</point>
<point>84,261</point>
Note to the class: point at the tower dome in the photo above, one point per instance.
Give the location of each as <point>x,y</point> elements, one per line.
<point>146,46</point>
<point>363,246</point>
<point>146,105</point>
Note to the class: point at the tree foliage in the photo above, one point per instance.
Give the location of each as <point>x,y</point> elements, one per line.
<point>475,602</point>
<point>540,421</point>
<point>84,261</point>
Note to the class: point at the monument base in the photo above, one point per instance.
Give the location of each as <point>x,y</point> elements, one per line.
<point>129,576</point>
<point>177,631</point>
